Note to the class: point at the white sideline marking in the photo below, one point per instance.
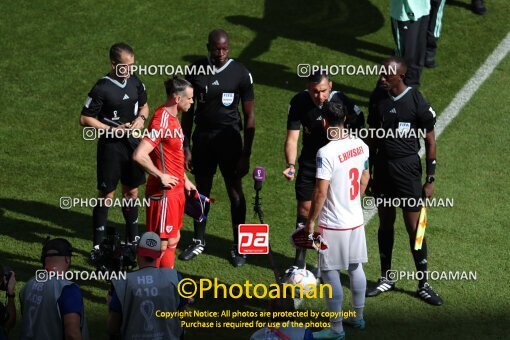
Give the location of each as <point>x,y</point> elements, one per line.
<point>462,97</point>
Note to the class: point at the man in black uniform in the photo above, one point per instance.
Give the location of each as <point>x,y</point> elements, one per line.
<point>401,109</point>
<point>217,138</point>
<point>117,102</point>
<point>305,110</point>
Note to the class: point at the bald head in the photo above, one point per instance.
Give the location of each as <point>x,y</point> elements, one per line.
<point>218,48</point>
<point>216,36</point>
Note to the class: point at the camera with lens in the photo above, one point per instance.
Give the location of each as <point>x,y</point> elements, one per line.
<point>5,276</point>
<point>114,255</point>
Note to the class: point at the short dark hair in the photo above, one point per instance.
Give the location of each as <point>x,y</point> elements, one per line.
<point>401,63</point>
<point>117,49</point>
<point>216,34</point>
<point>396,59</point>
<point>176,85</point>
<point>317,76</point>
<point>334,113</point>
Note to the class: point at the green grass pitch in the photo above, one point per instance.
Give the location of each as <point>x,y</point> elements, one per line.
<point>54,51</point>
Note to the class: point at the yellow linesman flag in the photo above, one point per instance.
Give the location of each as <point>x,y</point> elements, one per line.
<point>420,233</point>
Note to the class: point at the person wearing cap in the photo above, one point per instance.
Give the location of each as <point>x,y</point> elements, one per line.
<point>133,301</point>
<point>52,307</point>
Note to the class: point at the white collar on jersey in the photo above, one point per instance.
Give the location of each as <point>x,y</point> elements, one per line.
<point>116,82</point>
<point>400,95</point>
<point>218,70</point>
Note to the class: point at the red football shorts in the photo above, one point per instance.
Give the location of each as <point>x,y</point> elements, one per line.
<point>164,215</point>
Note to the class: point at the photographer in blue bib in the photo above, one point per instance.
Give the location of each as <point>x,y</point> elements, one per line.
<point>133,301</point>
<point>51,306</point>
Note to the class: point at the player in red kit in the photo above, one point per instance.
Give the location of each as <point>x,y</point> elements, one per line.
<point>161,154</point>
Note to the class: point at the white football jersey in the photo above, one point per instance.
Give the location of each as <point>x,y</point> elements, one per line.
<point>342,162</point>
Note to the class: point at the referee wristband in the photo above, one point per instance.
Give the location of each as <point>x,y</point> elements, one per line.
<point>430,166</point>
<point>291,165</point>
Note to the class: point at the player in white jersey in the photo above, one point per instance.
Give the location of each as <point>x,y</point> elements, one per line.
<point>342,176</point>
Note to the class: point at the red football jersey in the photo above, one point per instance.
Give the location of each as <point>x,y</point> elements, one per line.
<point>165,134</point>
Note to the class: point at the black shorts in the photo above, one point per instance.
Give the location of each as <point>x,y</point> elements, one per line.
<point>305,181</point>
<point>399,178</point>
<point>210,150</point>
<point>114,162</point>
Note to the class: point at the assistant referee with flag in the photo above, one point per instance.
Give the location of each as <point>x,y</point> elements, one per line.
<point>400,109</point>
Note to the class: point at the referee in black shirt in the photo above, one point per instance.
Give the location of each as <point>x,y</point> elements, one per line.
<point>400,109</point>
<point>217,140</point>
<point>117,101</point>
<point>305,110</point>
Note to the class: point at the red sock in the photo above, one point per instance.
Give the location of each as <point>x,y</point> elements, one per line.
<point>168,258</point>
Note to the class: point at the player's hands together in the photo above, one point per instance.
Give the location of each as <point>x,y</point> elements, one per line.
<point>123,126</point>
<point>187,159</point>
<point>168,181</point>
<point>243,167</point>
<point>138,123</point>
<point>428,190</point>
<point>289,173</point>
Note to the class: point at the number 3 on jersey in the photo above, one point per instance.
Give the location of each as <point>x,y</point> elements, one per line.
<point>354,189</point>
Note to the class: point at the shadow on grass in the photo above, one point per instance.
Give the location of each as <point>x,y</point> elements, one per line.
<point>65,223</point>
<point>56,222</point>
<point>460,4</point>
<point>337,25</point>
<point>281,76</point>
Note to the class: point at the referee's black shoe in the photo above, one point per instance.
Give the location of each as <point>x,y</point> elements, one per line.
<point>194,249</point>
<point>383,285</point>
<point>236,259</point>
<point>427,294</point>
